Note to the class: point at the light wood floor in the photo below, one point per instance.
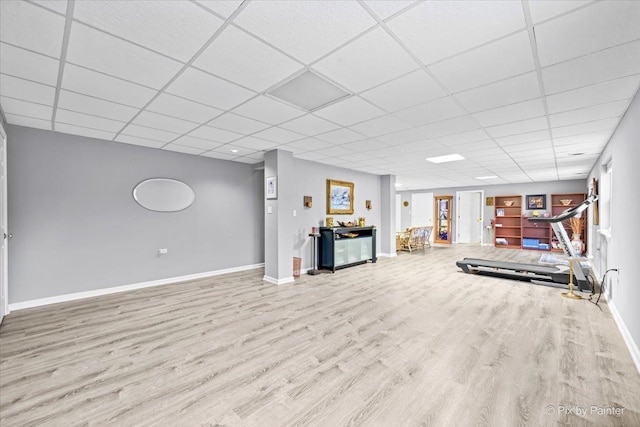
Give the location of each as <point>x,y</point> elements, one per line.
<point>409,341</point>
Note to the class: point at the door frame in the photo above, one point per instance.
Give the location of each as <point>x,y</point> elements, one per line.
<point>4,257</point>
<point>458,216</point>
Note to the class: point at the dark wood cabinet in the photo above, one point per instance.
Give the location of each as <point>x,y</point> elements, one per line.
<point>341,247</point>
<point>442,232</point>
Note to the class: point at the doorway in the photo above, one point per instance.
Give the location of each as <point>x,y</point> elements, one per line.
<point>4,234</point>
<point>470,216</point>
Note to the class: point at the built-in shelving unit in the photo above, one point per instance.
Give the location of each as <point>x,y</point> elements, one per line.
<point>536,235</point>
<point>508,222</point>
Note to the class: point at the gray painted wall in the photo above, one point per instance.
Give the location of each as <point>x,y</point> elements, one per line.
<point>548,188</point>
<point>624,290</point>
<point>77,228</point>
<point>310,179</point>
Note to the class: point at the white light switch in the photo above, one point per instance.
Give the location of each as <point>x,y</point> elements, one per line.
<point>269,210</point>
<point>162,251</point>
<point>294,212</point>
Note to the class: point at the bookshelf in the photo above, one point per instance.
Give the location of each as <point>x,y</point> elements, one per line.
<point>508,222</point>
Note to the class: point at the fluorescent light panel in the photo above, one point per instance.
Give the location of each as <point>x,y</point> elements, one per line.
<point>309,92</point>
<point>444,159</point>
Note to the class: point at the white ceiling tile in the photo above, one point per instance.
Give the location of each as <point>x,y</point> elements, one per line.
<point>598,67</point>
<point>87,121</point>
<point>309,125</point>
<point>59,6</point>
<point>94,106</point>
<point>199,86</point>
<point>613,90</point>
<point>24,108</point>
<point>314,156</point>
<point>518,148</point>
<point>220,156</point>
<point>157,25</point>
<point>380,126</point>
<point>89,82</point>
<point>532,137</point>
<point>30,122</point>
<point>238,124</point>
<point>215,134</point>
<point>255,143</point>
<point>448,127</point>
<point>28,65</point>
<point>236,56</point>
<point>101,52</point>
<point>31,27</point>
<point>596,112</point>
<point>148,133</point>
<point>182,149</point>
<point>363,146</point>
<point>259,155</point>
<point>598,26</point>
<point>221,7</point>
<point>463,137</point>
<point>308,144</point>
<point>413,89</point>
<point>300,28</point>
<point>174,106</point>
<point>519,127</point>
<point>82,131</point>
<point>340,136</point>
<point>247,159</point>
<point>338,150</point>
<point>542,10</point>
<point>582,128</point>
<point>26,90</point>
<point>143,142</point>
<point>492,62</point>
<point>438,30</point>
<point>354,67</point>
<point>162,122</point>
<point>385,8</point>
<point>268,110</point>
<point>511,113</point>
<point>350,111</point>
<point>276,134</point>
<point>509,91</point>
<point>434,111</point>
<point>596,137</point>
<point>190,141</point>
<point>409,135</point>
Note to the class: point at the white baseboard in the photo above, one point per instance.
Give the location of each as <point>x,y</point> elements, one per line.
<point>275,281</point>
<point>383,255</point>
<point>628,339</point>
<point>106,291</point>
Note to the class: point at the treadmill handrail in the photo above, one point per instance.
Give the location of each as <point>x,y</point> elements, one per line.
<point>569,213</point>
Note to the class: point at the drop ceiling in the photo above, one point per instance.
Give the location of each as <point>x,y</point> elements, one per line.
<point>517,88</point>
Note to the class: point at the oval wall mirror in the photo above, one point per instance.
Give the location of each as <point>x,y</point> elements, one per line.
<point>164,195</point>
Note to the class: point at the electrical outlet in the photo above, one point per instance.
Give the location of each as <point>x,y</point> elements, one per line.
<point>162,251</point>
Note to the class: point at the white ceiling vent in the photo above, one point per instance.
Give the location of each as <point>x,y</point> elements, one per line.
<point>309,92</point>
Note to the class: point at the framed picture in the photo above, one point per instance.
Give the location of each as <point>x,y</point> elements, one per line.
<point>271,187</point>
<point>537,201</point>
<point>339,197</point>
<point>499,212</point>
<point>489,201</point>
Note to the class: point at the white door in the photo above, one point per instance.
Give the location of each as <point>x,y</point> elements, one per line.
<point>469,219</point>
<point>4,277</point>
<point>421,209</point>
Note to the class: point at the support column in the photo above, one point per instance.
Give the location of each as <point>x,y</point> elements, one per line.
<point>386,232</point>
<point>278,234</point>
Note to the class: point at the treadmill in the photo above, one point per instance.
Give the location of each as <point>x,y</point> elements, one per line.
<point>535,273</point>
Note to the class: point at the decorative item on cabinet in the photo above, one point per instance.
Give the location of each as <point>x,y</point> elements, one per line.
<point>559,205</point>
<point>361,221</point>
<point>329,221</point>
<point>307,201</point>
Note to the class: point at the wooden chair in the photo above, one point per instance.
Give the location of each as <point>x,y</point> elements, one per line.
<point>414,238</point>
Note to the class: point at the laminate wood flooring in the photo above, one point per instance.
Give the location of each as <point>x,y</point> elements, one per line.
<point>409,341</point>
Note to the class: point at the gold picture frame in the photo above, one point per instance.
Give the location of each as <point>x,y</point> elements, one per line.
<point>339,197</point>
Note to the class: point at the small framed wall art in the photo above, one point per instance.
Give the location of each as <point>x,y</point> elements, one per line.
<point>537,201</point>
<point>271,187</point>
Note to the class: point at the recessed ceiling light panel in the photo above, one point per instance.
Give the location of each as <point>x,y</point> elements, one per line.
<point>309,92</point>
<point>444,159</point>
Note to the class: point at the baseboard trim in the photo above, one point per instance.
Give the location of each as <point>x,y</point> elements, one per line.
<point>387,255</point>
<point>626,335</point>
<point>117,289</point>
<point>275,281</point>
